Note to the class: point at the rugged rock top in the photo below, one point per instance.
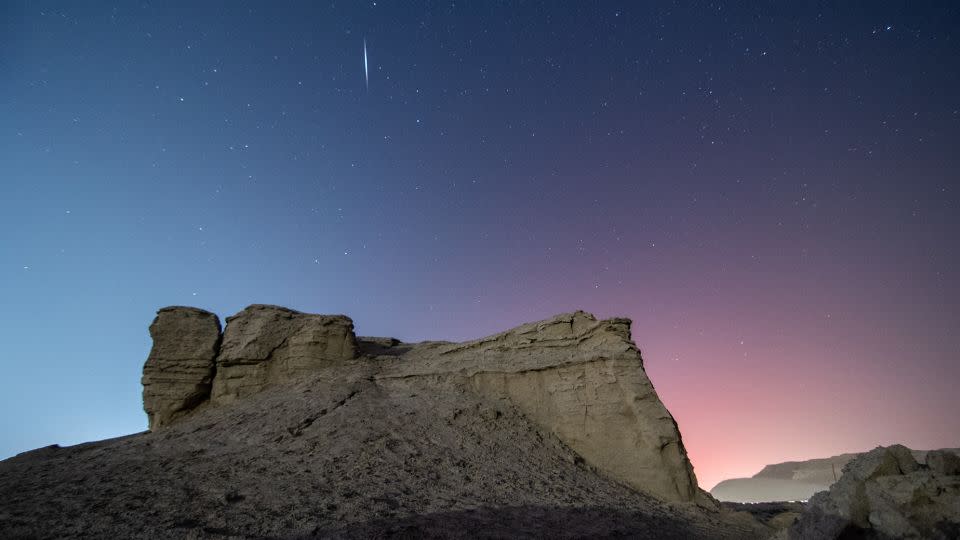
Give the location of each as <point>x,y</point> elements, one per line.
<point>270,344</point>
<point>577,377</point>
<point>178,374</point>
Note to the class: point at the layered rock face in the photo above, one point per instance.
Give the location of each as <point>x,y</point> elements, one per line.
<point>270,344</point>
<point>178,374</point>
<point>886,493</point>
<point>583,380</point>
<point>575,377</point>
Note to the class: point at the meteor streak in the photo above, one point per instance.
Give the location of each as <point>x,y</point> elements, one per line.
<point>366,69</point>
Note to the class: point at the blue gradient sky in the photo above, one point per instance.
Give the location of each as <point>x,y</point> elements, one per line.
<point>770,193</point>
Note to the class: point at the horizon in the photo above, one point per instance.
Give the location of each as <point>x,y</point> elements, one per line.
<point>769,193</point>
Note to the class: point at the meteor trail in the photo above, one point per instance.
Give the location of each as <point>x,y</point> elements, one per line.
<point>366,69</point>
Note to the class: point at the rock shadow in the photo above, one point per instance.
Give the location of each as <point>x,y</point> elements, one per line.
<point>527,521</point>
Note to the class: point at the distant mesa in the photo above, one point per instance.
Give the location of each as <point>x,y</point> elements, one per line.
<point>788,481</point>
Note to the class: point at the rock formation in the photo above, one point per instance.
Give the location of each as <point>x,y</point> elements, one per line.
<point>583,380</point>
<point>180,369</point>
<point>886,493</point>
<point>270,344</point>
<point>576,377</point>
<point>288,425</point>
<point>292,427</point>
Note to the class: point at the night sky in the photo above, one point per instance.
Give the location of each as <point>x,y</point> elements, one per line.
<point>771,193</point>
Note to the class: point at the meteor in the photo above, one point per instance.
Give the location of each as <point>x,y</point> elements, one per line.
<point>366,69</point>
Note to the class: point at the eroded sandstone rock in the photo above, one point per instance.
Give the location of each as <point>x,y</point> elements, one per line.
<point>583,380</point>
<point>270,344</point>
<point>577,378</point>
<point>177,375</point>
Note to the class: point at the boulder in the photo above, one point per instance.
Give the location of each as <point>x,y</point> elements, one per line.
<point>881,461</point>
<point>885,493</point>
<point>178,373</point>
<point>270,344</point>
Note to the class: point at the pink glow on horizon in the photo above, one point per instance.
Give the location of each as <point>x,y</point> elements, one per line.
<point>738,414</point>
<point>788,365</point>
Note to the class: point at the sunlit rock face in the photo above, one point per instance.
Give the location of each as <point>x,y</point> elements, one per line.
<point>576,378</point>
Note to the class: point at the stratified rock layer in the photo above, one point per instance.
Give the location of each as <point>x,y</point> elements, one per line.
<point>270,344</point>
<point>179,371</point>
<point>885,493</point>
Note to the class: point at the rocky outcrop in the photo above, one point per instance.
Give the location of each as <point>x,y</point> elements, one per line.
<point>177,375</point>
<point>549,430</point>
<point>270,344</point>
<point>576,378</point>
<point>582,380</point>
<point>886,493</point>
